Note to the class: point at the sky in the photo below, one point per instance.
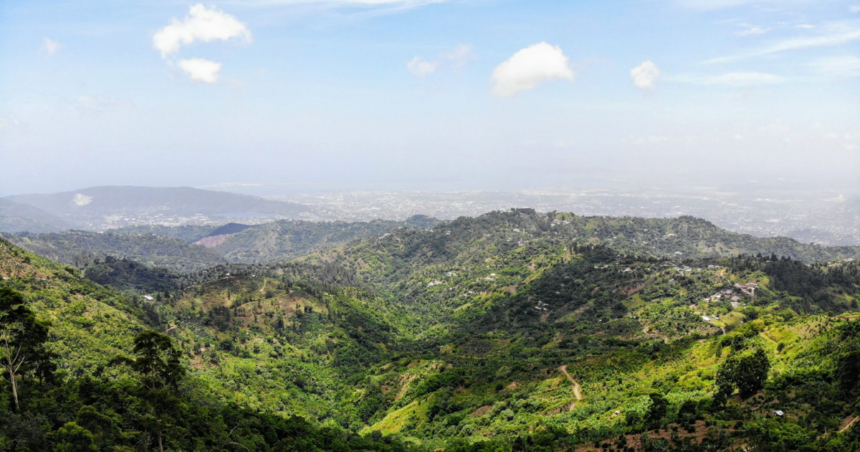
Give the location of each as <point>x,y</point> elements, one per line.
<point>304,95</point>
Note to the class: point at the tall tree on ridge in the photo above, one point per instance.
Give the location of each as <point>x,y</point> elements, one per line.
<point>22,342</point>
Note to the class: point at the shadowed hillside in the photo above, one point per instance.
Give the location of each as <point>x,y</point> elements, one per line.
<point>15,217</point>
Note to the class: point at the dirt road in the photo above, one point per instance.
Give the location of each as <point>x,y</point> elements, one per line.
<point>577,389</point>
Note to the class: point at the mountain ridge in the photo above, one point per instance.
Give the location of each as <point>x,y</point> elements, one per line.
<point>17,217</point>
<point>454,338</point>
<point>111,206</point>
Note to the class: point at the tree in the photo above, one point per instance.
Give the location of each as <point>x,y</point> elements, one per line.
<point>74,438</point>
<point>747,374</point>
<point>157,363</point>
<point>22,342</point>
<point>657,410</point>
<point>848,369</point>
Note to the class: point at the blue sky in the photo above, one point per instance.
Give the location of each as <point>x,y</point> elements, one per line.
<point>410,94</point>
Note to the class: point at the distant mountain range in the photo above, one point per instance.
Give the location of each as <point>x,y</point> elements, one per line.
<point>99,208</point>
<point>192,248</point>
<point>16,217</point>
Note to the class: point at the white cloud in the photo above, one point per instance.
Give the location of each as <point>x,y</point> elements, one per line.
<point>200,70</point>
<point>854,8</point>
<point>50,46</point>
<point>203,25</point>
<point>645,75</point>
<point>530,66</point>
<point>837,66</point>
<point>806,26</point>
<point>735,79</point>
<point>839,33</point>
<point>751,30</point>
<point>420,67</point>
<point>461,55</point>
<point>457,58</point>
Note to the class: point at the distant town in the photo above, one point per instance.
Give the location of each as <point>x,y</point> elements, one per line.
<point>813,217</point>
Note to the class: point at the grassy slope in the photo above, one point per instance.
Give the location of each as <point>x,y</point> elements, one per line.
<point>90,324</point>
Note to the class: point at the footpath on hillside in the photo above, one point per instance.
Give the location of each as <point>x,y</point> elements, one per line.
<point>577,389</point>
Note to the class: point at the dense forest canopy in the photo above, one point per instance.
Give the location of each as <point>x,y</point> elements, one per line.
<point>514,331</point>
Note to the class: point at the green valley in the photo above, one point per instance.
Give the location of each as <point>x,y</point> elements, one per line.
<point>513,331</point>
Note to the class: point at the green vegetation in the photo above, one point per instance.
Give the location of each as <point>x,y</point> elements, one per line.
<point>187,233</point>
<point>79,248</point>
<point>22,342</point>
<point>501,333</point>
<point>282,240</point>
<point>173,248</point>
<point>126,274</point>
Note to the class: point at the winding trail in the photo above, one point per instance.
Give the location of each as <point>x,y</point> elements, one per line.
<point>844,429</point>
<point>577,389</point>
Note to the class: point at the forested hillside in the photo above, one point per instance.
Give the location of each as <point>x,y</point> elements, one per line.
<point>80,248</point>
<point>190,248</point>
<point>514,331</point>
<point>83,382</point>
<point>284,240</point>
<point>187,233</point>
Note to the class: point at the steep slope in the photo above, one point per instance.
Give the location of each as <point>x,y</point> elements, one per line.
<point>623,329</point>
<point>98,208</point>
<point>90,323</point>
<point>456,337</point>
<point>88,401</point>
